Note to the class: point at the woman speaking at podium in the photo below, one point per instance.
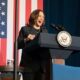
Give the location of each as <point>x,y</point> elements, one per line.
<point>34,58</point>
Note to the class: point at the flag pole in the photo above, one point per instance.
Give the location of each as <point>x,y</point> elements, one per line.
<point>15,75</point>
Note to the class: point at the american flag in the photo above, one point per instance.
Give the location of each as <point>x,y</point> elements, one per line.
<point>7,24</point>
<point>3,31</point>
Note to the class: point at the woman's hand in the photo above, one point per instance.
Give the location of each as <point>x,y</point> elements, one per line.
<point>30,37</point>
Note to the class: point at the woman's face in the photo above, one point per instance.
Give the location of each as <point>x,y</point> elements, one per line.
<point>40,19</point>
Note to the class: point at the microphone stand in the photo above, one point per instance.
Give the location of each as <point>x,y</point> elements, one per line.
<point>15,45</point>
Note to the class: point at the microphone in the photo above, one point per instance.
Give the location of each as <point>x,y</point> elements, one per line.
<point>54,26</point>
<point>58,28</point>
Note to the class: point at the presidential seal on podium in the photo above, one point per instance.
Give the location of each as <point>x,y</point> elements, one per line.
<point>64,38</point>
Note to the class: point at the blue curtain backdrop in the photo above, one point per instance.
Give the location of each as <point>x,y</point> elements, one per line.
<point>66,13</point>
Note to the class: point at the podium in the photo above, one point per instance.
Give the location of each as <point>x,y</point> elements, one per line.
<point>56,51</point>
<point>48,40</point>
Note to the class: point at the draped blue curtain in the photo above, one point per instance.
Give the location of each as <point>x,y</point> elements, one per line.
<point>67,14</point>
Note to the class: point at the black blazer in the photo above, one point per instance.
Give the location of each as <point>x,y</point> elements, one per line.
<point>33,56</point>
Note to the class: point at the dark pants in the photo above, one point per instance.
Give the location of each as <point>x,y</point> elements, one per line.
<point>40,72</point>
<point>33,75</point>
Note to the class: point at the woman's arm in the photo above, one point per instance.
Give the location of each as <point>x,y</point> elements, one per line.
<point>22,38</point>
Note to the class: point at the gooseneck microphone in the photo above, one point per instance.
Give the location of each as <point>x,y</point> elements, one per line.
<point>57,27</point>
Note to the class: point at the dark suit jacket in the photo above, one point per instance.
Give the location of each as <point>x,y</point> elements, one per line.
<point>33,56</point>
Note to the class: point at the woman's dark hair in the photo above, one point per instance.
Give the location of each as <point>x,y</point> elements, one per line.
<point>33,17</point>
